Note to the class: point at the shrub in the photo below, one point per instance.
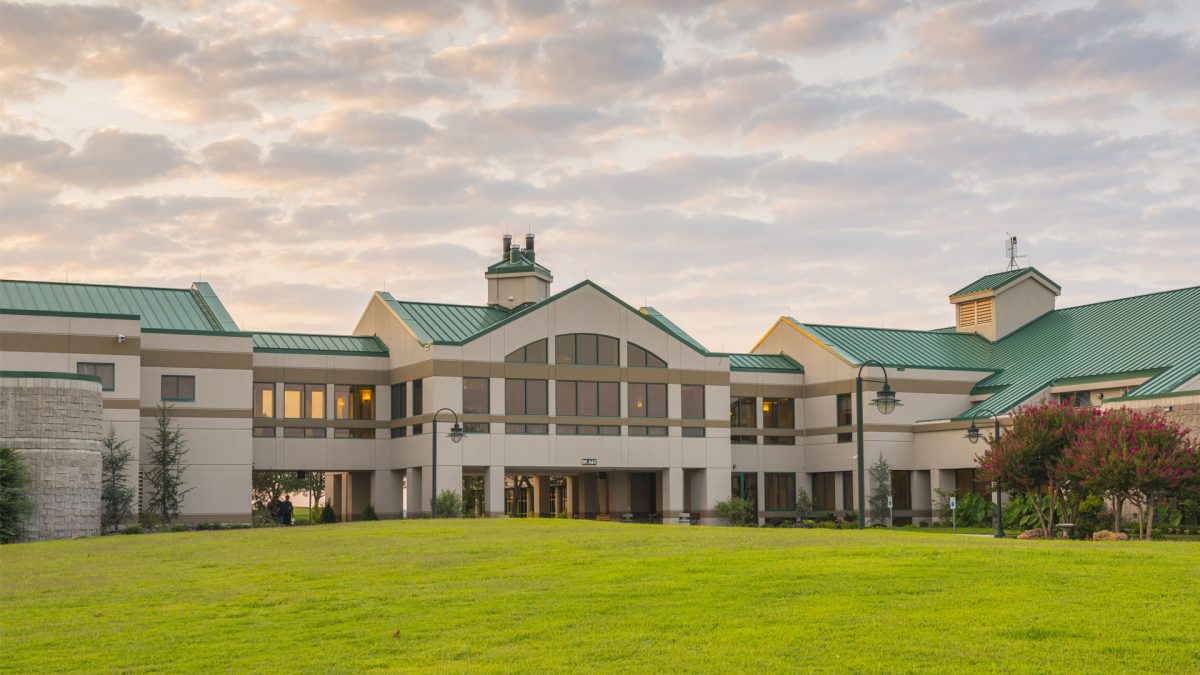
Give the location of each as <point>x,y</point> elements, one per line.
<point>15,502</point>
<point>449,504</point>
<point>132,529</point>
<point>148,521</point>
<point>209,526</point>
<point>973,509</point>
<point>328,515</point>
<point>179,527</point>
<point>737,511</point>
<point>804,504</point>
<point>302,521</point>
<point>369,513</point>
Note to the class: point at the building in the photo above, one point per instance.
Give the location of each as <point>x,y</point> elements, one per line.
<point>577,403</point>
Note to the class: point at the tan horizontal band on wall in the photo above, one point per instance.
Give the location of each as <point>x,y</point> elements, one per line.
<point>122,404</point>
<point>62,343</point>
<point>878,428</point>
<point>170,358</point>
<point>550,371</point>
<point>901,385</point>
<point>766,390</point>
<point>290,375</point>
<point>542,419</point>
<point>984,423</point>
<point>743,431</point>
<point>318,424</point>
<point>213,413</point>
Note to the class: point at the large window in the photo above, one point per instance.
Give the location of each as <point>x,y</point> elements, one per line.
<point>586,349</point>
<point>848,490</point>
<point>264,399</point>
<point>691,401</point>
<point>745,486</point>
<point>902,490</point>
<point>588,430</point>
<point>824,493</point>
<point>741,412</point>
<point>640,358</point>
<point>781,491</point>
<point>967,480</point>
<point>179,387</point>
<point>477,401</point>
<point>845,417</point>
<point>354,401</point>
<point>303,432</point>
<point>353,433</point>
<point>647,400</point>
<point>418,405</point>
<point>587,399</point>
<point>779,413</point>
<point>400,401</point>
<point>264,432</point>
<point>304,401</point>
<point>105,371</point>
<point>779,440</point>
<point>647,431</point>
<point>539,429</point>
<point>534,352</point>
<point>525,397</point>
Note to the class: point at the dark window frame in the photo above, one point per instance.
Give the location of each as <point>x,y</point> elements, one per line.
<point>637,356</point>
<point>487,396</point>
<point>306,390</point>
<point>176,380</point>
<point>844,418</point>
<point>781,491</point>
<point>595,339</point>
<point>265,386</point>
<point>645,388</point>
<point>509,404</point>
<point>90,368</point>
<point>356,406</point>
<point>523,357</point>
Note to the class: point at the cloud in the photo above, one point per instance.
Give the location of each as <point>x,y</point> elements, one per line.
<point>108,158</point>
<point>822,27</point>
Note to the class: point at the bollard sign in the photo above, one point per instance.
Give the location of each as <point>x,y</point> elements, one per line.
<point>889,501</point>
<point>953,503</point>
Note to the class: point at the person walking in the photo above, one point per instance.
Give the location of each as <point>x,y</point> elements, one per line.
<point>285,511</point>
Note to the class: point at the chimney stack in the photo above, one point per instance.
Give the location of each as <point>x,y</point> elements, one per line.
<point>529,242</point>
<point>507,244</point>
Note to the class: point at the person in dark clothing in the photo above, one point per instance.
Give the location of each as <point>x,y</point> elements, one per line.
<point>285,511</point>
<point>273,508</point>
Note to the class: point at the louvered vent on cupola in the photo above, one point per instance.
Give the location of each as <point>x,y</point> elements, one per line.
<point>998,304</point>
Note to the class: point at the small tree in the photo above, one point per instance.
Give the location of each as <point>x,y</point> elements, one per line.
<point>881,477</point>
<point>737,511</point>
<point>314,483</point>
<point>165,467</point>
<point>804,504</point>
<point>449,504</point>
<point>116,497</point>
<point>15,502</point>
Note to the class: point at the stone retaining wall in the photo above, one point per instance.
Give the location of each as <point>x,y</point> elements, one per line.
<point>55,424</point>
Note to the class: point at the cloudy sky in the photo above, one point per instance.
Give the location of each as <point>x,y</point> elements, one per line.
<point>844,161</point>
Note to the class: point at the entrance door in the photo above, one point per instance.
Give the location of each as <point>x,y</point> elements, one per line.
<point>745,486</point>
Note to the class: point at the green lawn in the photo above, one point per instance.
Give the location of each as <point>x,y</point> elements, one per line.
<point>567,596</point>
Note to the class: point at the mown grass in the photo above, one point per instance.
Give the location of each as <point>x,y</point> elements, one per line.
<point>558,595</point>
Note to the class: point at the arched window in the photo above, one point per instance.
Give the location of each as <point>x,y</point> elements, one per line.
<point>640,358</point>
<point>534,352</point>
<point>586,349</point>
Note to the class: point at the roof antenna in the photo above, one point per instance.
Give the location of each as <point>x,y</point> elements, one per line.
<point>1010,249</point>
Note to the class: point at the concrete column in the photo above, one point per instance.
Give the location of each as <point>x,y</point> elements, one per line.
<point>541,496</point>
<point>417,506</point>
<point>921,495</point>
<point>618,492</point>
<point>760,478</point>
<point>716,489</point>
<point>389,493</point>
<point>360,492</point>
<point>672,495</point>
<point>572,493</point>
<point>839,494</point>
<point>493,492</point>
<point>941,479</point>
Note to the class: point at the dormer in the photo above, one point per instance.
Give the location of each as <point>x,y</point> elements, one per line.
<point>1000,303</point>
<point>517,280</point>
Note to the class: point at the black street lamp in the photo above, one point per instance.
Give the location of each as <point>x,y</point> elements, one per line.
<point>456,434</point>
<point>885,402</point>
<point>973,435</point>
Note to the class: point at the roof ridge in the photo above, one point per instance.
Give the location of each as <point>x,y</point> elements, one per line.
<point>1092,304</point>
<point>895,330</point>
<point>74,283</point>
<point>333,335</point>
<point>450,304</point>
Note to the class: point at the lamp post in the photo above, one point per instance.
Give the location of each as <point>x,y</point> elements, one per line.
<point>974,435</point>
<point>456,434</point>
<point>885,402</point>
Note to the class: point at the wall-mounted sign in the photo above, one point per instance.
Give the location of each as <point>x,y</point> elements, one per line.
<point>588,461</point>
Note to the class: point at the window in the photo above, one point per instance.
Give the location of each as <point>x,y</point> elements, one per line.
<point>586,349</point>
<point>640,358</point>
<point>179,387</point>
<point>967,480</point>
<point>477,428</point>
<point>304,401</point>
<point>823,487</point>
<point>781,491</point>
<point>418,405</point>
<point>399,432</point>
<point>534,352</point>
<point>354,401</point>
<point>1077,399</point>
<point>400,401</point>
<point>587,430</point>
<point>745,486</point>
<point>587,399</point>
<point>779,413</point>
<point>901,490</point>
<point>647,400</point>
<point>525,397</point>
<point>742,412</point>
<point>691,400</point>
<point>476,395</point>
<point>303,432</point>
<point>693,432</point>
<point>647,431</point>
<point>353,433</point>
<point>779,440</point>
<point>264,399</point>
<point>845,418</point>
<point>743,439</point>
<point>264,432</point>
<point>105,371</point>
<point>847,490</point>
<point>527,429</point>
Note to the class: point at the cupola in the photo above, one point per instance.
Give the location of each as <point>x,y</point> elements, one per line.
<point>517,280</point>
<point>998,304</point>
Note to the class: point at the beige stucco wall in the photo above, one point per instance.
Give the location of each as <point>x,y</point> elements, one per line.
<point>1018,304</point>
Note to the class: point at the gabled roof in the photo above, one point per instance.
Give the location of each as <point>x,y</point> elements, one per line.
<point>158,309</point>
<point>773,363</point>
<point>994,282</point>
<point>443,324</point>
<point>672,328</point>
<point>518,261</point>
<point>1156,334</point>
<point>305,343</point>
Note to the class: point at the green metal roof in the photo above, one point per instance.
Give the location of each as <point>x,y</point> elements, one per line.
<point>994,282</point>
<point>1156,335</point>
<point>672,328</point>
<point>439,323</point>
<point>166,309</point>
<point>777,363</point>
<point>518,261</point>
<point>304,343</point>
